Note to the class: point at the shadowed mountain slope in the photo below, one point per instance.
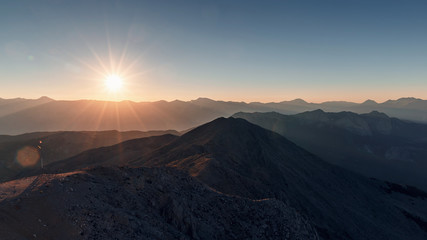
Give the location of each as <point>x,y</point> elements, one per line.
<point>236,157</point>
<point>140,203</point>
<point>56,146</point>
<point>118,155</point>
<point>372,144</point>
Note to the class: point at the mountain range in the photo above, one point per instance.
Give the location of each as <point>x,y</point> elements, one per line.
<point>257,175</point>
<point>372,144</point>
<point>233,158</point>
<point>18,116</point>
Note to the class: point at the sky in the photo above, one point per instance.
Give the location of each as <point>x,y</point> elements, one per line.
<point>239,50</point>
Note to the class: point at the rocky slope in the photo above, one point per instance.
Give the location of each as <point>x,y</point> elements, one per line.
<point>236,157</point>
<point>138,203</point>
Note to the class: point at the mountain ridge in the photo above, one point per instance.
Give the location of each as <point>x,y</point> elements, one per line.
<point>239,158</point>
<point>372,144</point>
<point>95,115</point>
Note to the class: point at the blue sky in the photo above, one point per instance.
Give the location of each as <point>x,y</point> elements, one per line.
<point>229,50</point>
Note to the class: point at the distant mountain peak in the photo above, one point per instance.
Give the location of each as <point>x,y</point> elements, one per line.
<point>312,113</point>
<point>227,130</point>
<point>45,98</point>
<point>408,98</point>
<point>378,114</point>
<point>315,115</point>
<point>318,111</point>
<point>369,102</point>
<point>299,101</point>
<point>220,125</point>
<point>403,101</point>
<point>203,99</point>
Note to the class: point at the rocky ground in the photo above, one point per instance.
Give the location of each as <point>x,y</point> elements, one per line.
<point>138,203</point>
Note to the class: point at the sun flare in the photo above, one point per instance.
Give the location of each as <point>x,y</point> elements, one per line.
<point>113,83</point>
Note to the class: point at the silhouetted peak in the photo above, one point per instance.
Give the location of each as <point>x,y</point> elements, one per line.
<point>298,101</point>
<point>177,101</point>
<point>369,102</point>
<point>203,100</point>
<point>44,98</point>
<point>317,112</point>
<point>403,101</point>
<point>378,114</point>
<point>222,125</point>
<point>408,99</point>
<point>226,130</point>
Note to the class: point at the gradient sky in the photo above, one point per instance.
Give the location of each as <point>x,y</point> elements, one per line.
<point>228,50</point>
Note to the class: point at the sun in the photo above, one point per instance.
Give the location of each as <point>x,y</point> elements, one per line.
<point>113,83</point>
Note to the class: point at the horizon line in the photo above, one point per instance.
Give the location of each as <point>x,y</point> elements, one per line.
<point>207,98</point>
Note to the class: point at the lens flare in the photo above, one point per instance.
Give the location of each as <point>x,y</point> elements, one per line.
<point>27,156</point>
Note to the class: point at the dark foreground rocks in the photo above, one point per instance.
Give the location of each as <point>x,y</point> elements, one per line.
<point>138,203</point>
